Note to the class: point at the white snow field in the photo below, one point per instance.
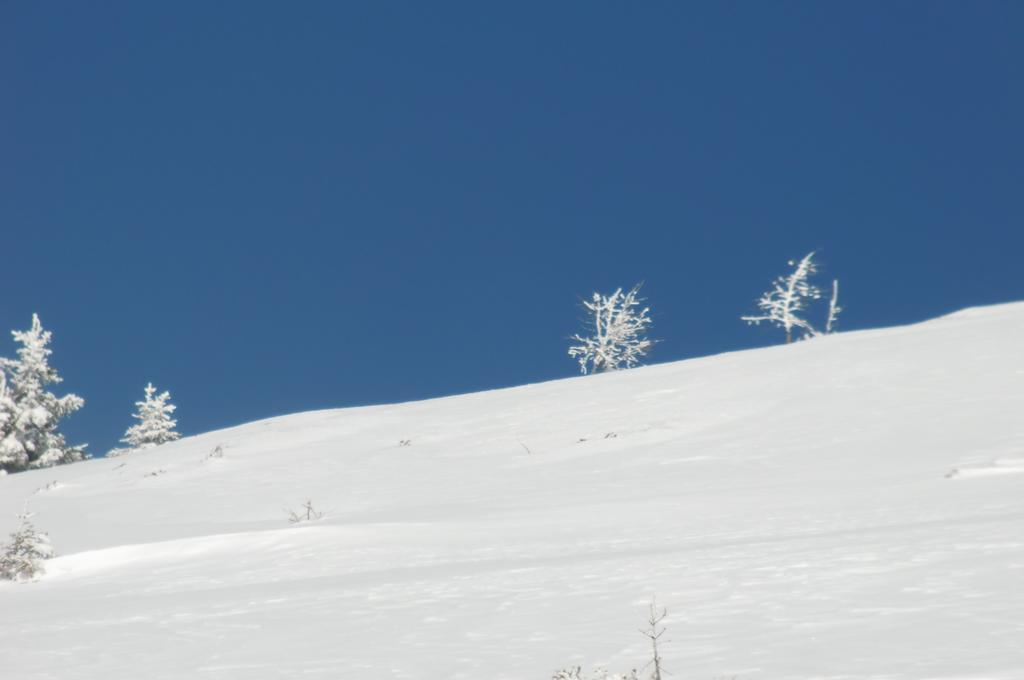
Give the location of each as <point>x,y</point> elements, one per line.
<point>847,507</point>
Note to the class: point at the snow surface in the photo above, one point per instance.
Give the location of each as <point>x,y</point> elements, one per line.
<point>847,507</point>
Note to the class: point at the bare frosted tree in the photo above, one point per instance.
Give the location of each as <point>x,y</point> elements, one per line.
<point>833,308</point>
<point>785,303</point>
<point>617,326</point>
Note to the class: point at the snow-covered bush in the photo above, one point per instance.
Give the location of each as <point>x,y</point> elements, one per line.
<point>617,326</point>
<point>576,673</point>
<point>21,559</point>
<point>28,413</point>
<point>155,426</point>
<point>785,305</point>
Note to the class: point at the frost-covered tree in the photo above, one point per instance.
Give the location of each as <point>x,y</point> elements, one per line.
<point>617,326</point>
<point>21,559</point>
<point>784,305</point>
<point>30,413</point>
<point>155,426</point>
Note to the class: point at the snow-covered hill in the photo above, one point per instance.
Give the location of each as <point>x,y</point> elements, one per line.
<point>848,507</point>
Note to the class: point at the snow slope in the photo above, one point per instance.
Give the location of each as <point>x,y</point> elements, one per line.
<point>848,507</point>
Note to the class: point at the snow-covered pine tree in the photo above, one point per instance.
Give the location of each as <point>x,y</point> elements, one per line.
<point>11,451</point>
<point>784,304</point>
<point>21,559</point>
<point>30,436</point>
<point>155,426</point>
<point>618,326</point>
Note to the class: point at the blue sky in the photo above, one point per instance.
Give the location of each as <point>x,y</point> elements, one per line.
<point>274,207</point>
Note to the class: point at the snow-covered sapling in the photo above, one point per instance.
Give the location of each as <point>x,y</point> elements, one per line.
<point>617,326</point>
<point>21,559</point>
<point>155,426</point>
<point>652,632</point>
<point>833,308</point>
<point>784,305</point>
<point>29,414</point>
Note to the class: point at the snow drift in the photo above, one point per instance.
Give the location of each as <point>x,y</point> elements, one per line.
<point>847,507</point>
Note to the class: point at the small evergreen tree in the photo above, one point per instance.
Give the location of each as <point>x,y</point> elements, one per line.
<point>29,414</point>
<point>155,426</point>
<point>618,326</point>
<point>21,559</point>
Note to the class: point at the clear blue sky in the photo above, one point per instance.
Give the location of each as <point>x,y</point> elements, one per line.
<point>275,207</point>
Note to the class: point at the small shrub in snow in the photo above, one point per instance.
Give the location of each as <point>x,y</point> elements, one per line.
<point>652,632</point>
<point>21,559</point>
<point>305,514</point>
<point>617,327</point>
<point>576,673</point>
